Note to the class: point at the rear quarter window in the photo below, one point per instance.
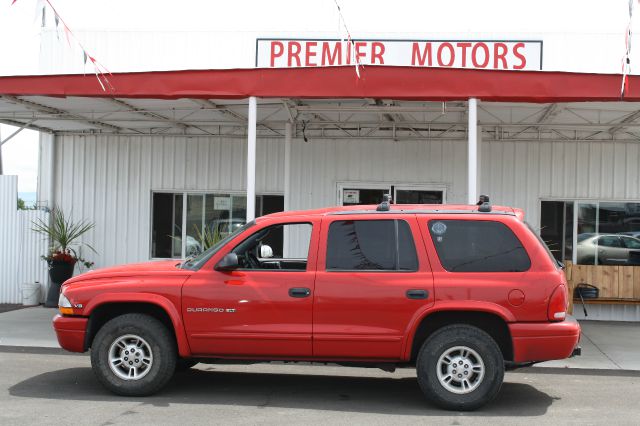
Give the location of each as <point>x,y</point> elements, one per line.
<point>478,246</point>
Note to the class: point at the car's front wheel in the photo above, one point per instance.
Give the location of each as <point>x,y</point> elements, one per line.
<point>133,355</point>
<point>460,367</point>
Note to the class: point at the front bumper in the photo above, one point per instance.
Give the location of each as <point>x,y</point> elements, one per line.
<point>536,342</point>
<point>70,332</point>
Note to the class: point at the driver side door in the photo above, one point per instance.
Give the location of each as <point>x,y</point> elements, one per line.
<point>262,308</point>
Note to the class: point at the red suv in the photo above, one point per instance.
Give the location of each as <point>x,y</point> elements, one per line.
<point>459,292</point>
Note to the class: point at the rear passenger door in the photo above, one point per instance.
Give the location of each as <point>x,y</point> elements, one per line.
<point>373,276</point>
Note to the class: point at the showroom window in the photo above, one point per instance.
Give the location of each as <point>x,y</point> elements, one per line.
<point>185,224</point>
<point>603,232</point>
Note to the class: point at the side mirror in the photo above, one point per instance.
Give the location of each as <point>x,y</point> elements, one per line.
<point>266,251</point>
<point>228,263</point>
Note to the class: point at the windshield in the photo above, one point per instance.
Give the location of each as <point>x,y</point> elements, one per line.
<point>194,263</point>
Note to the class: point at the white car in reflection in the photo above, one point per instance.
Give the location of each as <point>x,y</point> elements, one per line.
<point>608,249</point>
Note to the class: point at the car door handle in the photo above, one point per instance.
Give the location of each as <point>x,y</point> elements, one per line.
<point>417,294</point>
<point>299,292</point>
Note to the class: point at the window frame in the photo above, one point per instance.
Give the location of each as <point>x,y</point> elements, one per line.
<point>429,220</point>
<point>301,222</point>
<point>395,271</point>
<point>184,193</point>
<point>576,203</point>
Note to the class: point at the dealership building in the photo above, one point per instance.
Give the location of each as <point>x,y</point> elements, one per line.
<point>291,123</point>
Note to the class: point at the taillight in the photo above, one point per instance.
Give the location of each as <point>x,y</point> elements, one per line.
<point>558,303</point>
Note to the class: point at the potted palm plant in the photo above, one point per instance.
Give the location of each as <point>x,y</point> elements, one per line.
<point>64,244</point>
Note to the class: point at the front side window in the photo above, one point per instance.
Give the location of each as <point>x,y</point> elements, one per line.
<point>478,246</point>
<point>371,245</point>
<point>282,247</point>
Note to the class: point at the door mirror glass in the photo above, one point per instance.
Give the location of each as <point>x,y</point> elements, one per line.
<point>266,251</point>
<point>228,263</point>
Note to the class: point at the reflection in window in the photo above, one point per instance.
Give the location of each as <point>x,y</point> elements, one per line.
<point>209,218</point>
<point>608,233</point>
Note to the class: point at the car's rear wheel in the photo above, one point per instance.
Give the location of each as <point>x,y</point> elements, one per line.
<point>134,355</point>
<point>460,367</point>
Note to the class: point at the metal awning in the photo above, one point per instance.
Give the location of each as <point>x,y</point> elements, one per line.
<point>322,118</point>
<point>386,102</point>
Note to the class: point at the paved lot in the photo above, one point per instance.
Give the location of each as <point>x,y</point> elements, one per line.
<point>48,388</point>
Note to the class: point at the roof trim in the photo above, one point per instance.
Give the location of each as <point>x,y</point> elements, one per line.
<point>390,82</point>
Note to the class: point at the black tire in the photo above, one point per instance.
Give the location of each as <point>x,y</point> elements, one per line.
<point>446,339</point>
<point>158,339</point>
<point>183,364</point>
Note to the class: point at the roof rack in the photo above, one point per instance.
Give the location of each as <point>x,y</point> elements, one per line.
<point>483,204</point>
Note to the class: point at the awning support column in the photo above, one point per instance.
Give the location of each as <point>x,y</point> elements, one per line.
<point>472,169</point>
<point>287,166</point>
<point>251,159</point>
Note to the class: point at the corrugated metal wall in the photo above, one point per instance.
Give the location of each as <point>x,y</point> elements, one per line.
<point>31,267</point>
<point>519,174</point>
<point>20,247</point>
<point>318,165</point>
<point>9,254</point>
<point>109,180</point>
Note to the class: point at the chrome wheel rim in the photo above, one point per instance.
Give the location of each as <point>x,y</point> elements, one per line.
<point>460,370</point>
<point>130,357</point>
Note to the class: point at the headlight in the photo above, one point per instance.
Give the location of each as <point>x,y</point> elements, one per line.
<point>64,305</point>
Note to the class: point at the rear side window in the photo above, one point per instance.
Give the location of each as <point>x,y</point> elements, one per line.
<point>478,246</point>
<point>371,245</point>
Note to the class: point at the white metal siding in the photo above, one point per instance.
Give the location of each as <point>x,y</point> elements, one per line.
<point>126,51</point>
<point>31,267</point>
<point>597,312</point>
<point>9,287</point>
<point>519,174</point>
<point>109,180</point>
<point>20,247</point>
<point>317,167</point>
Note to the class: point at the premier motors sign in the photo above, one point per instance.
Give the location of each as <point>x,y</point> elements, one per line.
<point>480,54</point>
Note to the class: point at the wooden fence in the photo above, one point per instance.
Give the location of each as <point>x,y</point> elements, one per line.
<point>617,284</point>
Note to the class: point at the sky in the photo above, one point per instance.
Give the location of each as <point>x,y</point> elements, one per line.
<point>20,30</point>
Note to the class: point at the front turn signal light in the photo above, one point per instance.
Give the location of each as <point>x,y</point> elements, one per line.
<point>64,305</point>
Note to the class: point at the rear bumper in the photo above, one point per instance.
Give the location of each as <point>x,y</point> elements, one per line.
<point>535,342</point>
<point>70,332</point>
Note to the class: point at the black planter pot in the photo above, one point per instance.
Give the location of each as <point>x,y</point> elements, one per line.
<point>59,272</point>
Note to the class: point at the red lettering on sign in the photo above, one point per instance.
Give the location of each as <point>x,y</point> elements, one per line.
<point>499,54</point>
<point>474,55</point>
<point>276,53</point>
<point>419,59</point>
<point>310,54</point>
<point>293,53</point>
<point>359,53</point>
<point>463,47</point>
<point>377,50</point>
<point>523,60</point>
<point>452,55</point>
<point>331,59</point>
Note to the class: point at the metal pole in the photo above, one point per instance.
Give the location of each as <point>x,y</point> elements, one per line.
<point>251,159</point>
<point>287,166</point>
<point>1,172</point>
<point>472,189</point>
